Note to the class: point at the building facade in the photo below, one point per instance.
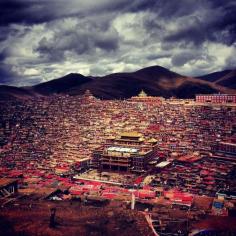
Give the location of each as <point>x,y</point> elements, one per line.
<point>226,147</point>
<point>216,98</point>
<point>129,152</point>
<point>143,97</point>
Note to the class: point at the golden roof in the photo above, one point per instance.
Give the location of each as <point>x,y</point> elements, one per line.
<point>131,134</point>
<point>142,94</point>
<point>152,140</point>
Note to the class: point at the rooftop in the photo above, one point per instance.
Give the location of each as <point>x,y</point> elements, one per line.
<point>131,134</point>
<point>122,149</point>
<point>163,164</point>
<point>228,143</point>
<point>142,94</point>
<point>152,140</point>
<point>6,181</point>
<point>216,94</point>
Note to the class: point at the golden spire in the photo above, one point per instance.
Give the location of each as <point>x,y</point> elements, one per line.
<point>142,94</point>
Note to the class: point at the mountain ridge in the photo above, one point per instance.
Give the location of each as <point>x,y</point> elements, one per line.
<point>155,80</point>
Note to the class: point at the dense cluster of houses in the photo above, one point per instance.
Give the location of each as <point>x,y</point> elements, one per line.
<point>47,140</point>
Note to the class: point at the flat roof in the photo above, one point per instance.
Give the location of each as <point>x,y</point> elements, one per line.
<point>228,143</point>
<point>122,149</point>
<point>216,94</point>
<point>163,164</point>
<point>84,159</point>
<point>6,181</point>
<point>189,158</point>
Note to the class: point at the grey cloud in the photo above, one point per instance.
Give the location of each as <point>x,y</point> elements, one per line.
<point>175,9</point>
<point>4,53</point>
<point>6,74</point>
<point>181,58</point>
<point>194,32</point>
<point>215,23</point>
<point>154,56</point>
<point>35,12</point>
<point>230,62</point>
<point>81,39</point>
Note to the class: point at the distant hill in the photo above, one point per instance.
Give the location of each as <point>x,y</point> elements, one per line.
<point>229,80</point>
<point>214,76</point>
<point>11,92</point>
<point>154,80</point>
<point>226,78</point>
<point>61,85</point>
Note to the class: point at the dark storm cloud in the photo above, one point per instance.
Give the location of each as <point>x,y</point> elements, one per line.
<point>5,31</point>
<point>231,60</point>
<point>81,39</point>
<point>6,75</point>
<point>194,33</point>
<point>181,58</point>
<point>27,12</point>
<point>35,11</point>
<point>55,37</point>
<point>10,77</point>
<point>157,56</point>
<point>217,24</point>
<point>4,53</point>
<point>174,9</point>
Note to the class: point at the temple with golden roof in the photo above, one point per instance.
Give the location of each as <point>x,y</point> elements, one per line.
<point>143,97</point>
<point>129,152</point>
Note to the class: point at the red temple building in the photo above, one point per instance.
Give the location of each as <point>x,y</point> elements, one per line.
<point>216,98</point>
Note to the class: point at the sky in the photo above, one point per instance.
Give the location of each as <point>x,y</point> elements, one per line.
<point>41,40</point>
